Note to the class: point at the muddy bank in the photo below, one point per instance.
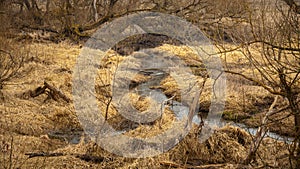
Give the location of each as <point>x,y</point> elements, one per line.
<point>281,124</point>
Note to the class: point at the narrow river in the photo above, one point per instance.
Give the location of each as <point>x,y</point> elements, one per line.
<point>180,110</point>
<point>145,89</point>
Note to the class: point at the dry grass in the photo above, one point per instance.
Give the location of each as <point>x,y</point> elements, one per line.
<point>247,102</point>
<point>29,120</point>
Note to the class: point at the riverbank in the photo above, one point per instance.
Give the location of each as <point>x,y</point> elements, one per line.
<point>47,126</point>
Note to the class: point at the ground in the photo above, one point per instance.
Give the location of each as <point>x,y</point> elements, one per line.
<point>27,122</point>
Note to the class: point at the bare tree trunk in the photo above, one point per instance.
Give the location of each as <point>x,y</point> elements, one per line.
<point>95,10</point>
<point>34,5</point>
<point>293,5</point>
<point>297,139</point>
<point>47,6</point>
<point>68,23</point>
<point>260,134</point>
<point>27,4</point>
<point>34,11</point>
<point>295,110</point>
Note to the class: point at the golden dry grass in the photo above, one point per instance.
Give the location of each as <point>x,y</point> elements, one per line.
<point>245,101</point>
<point>29,120</point>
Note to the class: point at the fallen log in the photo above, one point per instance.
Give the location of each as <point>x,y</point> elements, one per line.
<point>90,158</point>
<point>43,154</point>
<point>38,91</point>
<point>52,92</point>
<point>84,157</point>
<point>56,93</point>
<point>207,166</point>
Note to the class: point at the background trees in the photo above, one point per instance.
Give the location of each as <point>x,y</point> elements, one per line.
<point>265,33</point>
<point>78,18</point>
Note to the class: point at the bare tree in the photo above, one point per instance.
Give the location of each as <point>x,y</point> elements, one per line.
<point>69,18</point>
<point>273,53</point>
<point>10,63</point>
<point>293,5</point>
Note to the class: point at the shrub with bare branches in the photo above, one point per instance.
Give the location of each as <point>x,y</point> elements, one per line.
<point>11,60</point>
<point>272,58</point>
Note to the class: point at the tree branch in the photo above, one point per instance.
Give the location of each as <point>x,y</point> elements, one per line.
<point>257,82</point>
<point>293,5</point>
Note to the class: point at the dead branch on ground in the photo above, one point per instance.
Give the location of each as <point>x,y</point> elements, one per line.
<point>52,92</point>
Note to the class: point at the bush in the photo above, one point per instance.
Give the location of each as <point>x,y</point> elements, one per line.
<point>12,58</point>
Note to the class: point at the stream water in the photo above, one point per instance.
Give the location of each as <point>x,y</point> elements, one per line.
<point>180,110</point>
<point>253,131</point>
